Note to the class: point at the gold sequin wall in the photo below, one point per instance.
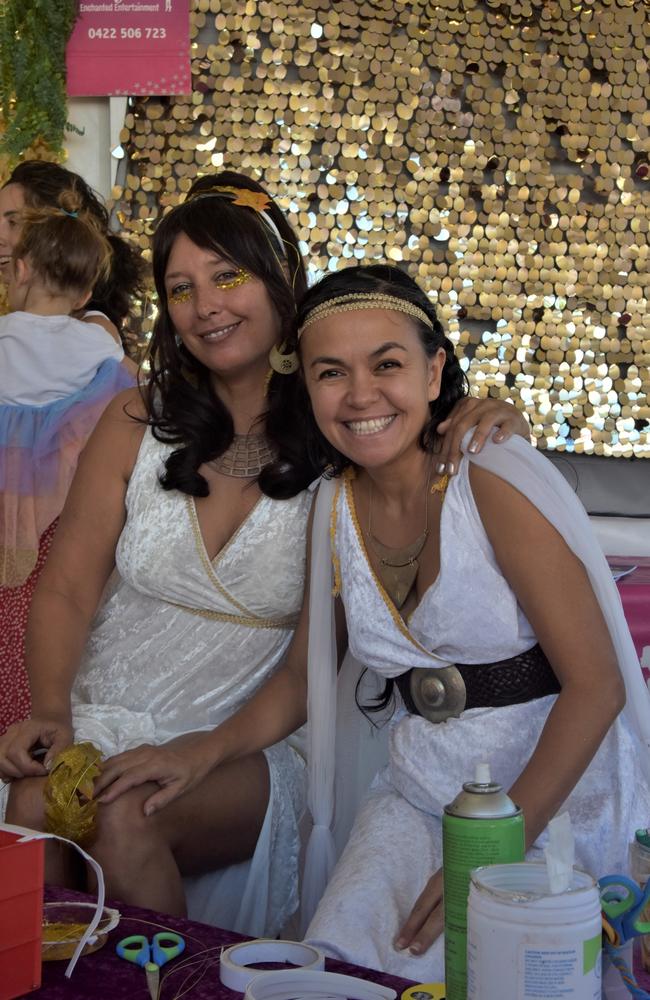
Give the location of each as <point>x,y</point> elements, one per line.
<point>498,151</point>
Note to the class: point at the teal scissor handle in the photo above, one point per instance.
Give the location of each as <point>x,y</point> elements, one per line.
<point>135,948</point>
<point>165,946</point>
<point>623,902</point>
<point>162,948</point>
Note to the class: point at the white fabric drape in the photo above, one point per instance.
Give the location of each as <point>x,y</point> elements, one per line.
<point>321,708</point>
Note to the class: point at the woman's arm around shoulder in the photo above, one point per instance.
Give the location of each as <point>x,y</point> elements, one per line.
<point>70,587</point>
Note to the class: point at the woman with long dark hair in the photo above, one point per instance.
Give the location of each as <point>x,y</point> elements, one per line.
<point>209,587</point>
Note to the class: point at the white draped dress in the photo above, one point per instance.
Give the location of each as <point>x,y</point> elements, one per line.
<point>180,643</point>
<point>468,615</point>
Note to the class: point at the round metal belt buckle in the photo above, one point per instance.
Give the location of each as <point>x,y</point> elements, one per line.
<point>438,694</point>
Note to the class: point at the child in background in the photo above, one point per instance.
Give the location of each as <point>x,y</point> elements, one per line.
<point>57,374</point>
<point>37,184</point>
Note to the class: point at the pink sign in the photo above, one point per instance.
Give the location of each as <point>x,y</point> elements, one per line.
<point>130,47</point>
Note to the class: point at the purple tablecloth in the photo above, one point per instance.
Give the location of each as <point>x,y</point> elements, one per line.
<point>104,976</point>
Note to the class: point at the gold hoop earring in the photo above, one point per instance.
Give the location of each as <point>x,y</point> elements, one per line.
<point>283,364</point>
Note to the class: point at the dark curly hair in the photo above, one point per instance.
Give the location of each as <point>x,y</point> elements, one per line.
<point>43,184</point>
<point>380,279</point>
<point>182,405</point>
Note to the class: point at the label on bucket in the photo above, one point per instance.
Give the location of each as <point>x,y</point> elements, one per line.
<point>550,973</point>
<point>548,970</point>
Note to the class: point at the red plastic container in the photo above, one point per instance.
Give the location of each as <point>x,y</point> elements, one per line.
<point>21,915</point>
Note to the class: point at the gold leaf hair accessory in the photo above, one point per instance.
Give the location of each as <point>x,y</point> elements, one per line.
<point>70,810</point>
<point>244,197</point>
<point>364,300</point>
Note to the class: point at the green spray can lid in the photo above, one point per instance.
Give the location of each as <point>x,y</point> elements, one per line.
<point>482,798</point>
<point>642,837</point>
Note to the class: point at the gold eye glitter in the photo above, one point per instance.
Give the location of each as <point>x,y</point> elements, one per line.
<point>498,152</point>
<point>239,278</point>
<point>224,282</point>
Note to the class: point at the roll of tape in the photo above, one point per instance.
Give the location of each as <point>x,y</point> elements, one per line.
<point>425,991</point>
<point>234,960</point>
<point>301,984</point>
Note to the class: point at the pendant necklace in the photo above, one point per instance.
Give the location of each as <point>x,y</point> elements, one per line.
<point>245,457</point>
<point>398,567</point>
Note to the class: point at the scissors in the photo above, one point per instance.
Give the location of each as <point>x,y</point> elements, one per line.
<point>623,904</point>
<point>151,955</point>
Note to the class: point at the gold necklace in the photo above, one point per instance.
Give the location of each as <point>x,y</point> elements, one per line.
<point>398,568</point>
<point>245,457</point>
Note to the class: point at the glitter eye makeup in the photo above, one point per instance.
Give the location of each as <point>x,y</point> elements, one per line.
<point>224,281</point>
<point>232,279</point>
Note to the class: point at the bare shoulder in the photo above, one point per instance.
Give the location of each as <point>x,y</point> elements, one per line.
<point>494,494</point>
<point>115,442</point>
<point>525,543</point>
<point>128,407</point>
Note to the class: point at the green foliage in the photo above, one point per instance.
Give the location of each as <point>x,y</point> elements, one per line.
<point>33,37</point>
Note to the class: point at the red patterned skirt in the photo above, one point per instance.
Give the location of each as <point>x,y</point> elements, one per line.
<point>15,701</point>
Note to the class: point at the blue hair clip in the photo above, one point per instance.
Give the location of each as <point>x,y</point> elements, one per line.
<point>73,215</point>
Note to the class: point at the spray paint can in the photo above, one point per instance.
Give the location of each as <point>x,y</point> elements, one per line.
<point>482,826</point>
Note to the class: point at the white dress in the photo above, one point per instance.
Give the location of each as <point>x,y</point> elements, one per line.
<point>180,643</point>
<point>468,615</point>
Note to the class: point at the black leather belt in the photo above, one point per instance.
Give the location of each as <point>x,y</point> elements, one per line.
<point>442,693</point>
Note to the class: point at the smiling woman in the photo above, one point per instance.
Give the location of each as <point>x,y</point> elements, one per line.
<point>540,667</point>
<point>375,395</point>
<point>12,203</point>
<point>222,313</point>
<point>210,583</point>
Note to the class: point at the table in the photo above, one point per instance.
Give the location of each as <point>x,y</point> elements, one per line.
<point>104,976</point>
<point>635,595</point>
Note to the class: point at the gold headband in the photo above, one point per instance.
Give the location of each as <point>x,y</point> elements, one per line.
<point>364,300</point>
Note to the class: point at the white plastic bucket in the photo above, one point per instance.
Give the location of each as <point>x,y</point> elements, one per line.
<point>524,943</point>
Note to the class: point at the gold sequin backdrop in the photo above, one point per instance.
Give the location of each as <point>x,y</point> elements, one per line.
<point>498,151</point>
